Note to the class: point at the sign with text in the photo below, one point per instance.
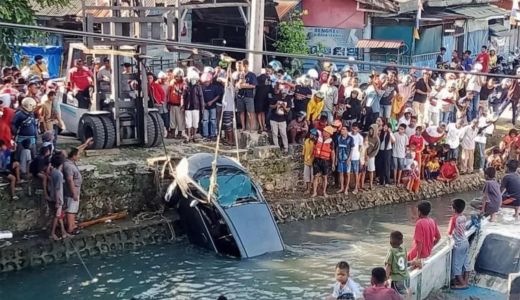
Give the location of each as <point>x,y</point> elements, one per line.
<point>333,41</point>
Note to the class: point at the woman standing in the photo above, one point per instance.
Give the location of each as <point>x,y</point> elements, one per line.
<point>384,157</point>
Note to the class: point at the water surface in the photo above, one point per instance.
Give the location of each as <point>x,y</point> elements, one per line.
<point>181,271</point>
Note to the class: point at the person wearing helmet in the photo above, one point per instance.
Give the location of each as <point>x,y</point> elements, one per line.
<point>193,104</point>
<point>211,94</point>
<point>263,94</point>
<point>174,97</point>
<point>39,67</point>
<point>104,83</point>
<point>315,107</point>
<point>302,96</point>
<point>25,126</point>
<point>157,97</point>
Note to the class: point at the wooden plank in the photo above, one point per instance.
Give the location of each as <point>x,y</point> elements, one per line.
<point>102,152</point>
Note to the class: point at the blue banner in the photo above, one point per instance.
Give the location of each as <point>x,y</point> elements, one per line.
<point>51,56</point>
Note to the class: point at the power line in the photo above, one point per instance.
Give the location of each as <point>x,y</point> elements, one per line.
<point>195,46</point>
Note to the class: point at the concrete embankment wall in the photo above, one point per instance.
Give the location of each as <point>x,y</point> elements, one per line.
<point>137,189</point>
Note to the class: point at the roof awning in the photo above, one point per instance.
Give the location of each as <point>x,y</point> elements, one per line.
<point>386,5</point>
<point>484,12</point>
<point>283,7</point>
<point>386,44</point>
<point>499,30</point>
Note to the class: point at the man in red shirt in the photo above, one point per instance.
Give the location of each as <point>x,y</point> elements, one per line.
<point>426,235</point>
<point>483,58</point>
<point>80,80</point>
<point>6,117</point>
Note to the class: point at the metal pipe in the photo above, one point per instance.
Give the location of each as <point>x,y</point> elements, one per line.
<point>231,49</point>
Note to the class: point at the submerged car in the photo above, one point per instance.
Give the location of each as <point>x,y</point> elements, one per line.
<point>236,220</point>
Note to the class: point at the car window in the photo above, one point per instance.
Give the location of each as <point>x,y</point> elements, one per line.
<point>232,188</point>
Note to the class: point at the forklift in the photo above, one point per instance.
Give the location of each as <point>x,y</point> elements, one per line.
<point>121,115</point>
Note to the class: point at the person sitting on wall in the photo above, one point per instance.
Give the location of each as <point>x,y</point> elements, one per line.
<point>511,185</point>
<point>298,128</point>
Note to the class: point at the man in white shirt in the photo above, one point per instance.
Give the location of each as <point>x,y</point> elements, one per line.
<point>356,154</point>
<point>474,84</point>
<point>407,116</point>
<point>485,128</point>
<point>469,133</point>
<point>399,152</point>
<point>453,138</point>
<point>330,91</point>
<point>410,129</point>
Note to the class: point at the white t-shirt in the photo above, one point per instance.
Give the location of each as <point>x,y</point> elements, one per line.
<point>350,287</point>
<point>228,100</point>
<point>482,138</point>
<point>436,99</point>
<point>410,130</point>
<point>453,136</point>
<point>399,149</point>
<point>358,142</point>
<point>404,121</point>
<point>474,83</point>
<point>468,137</point>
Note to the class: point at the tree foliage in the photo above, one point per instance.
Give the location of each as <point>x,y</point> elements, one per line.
<point>20,12</point>
<point>292,38</point>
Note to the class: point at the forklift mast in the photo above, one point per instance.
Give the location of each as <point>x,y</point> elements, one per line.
<point>132,115</point>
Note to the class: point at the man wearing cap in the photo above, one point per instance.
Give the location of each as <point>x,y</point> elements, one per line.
<point>469,133</point>
<point>39,67</point>
<point>407,116</point>
<point>298,128</point>
<point>80,80</point>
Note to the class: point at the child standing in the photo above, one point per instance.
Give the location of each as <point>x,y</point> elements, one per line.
<point>492,196</point>
<point>399,153</point>
<point>356,155</point>
<point>345,287</point>
<point>460,258</point>
<point>415,182</point>
<point>344,146</point>
<point>324,160</point>
<point>396,263</point>
<point>426,235</point>
<point>308,159</point>
<point>363,163</point>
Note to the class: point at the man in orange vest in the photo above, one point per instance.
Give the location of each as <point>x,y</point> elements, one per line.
<point>324,159</point>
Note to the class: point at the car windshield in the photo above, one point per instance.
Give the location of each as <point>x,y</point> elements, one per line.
<point>233,187</point>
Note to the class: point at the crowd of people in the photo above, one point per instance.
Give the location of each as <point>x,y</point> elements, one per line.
<point>29,127</point>
<point>396,128</point>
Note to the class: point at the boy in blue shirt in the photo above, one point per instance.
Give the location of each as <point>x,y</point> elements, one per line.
<point>344,145</point>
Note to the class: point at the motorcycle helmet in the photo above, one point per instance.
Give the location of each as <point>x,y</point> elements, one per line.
<point>276,65</point>
<point>162,75</point>
<point>209,70</point>
<point>439,82</point>
<point>28,104</point>
<point>313,74</point>
<point>193,76</point>
<point>178,72</point>
<point>206,77</point>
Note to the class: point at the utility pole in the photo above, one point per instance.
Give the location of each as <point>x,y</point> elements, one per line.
<point>255,36</point>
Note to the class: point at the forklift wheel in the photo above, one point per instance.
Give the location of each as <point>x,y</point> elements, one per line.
<point>159,124</point>
<point>151,131</point>
<point>110,131</point>
<point>92,127</point>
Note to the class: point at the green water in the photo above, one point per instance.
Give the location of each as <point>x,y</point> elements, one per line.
<point>181,271</point>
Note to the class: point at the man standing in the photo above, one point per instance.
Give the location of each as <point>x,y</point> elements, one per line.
<point>263,94</point>
<point>483,58</point>
<point>39,67</point>
<point>474,85</point>
<point>175,101</point>
<point>80,80</point>
<point>440,62</point>
<point>422,89</point>
<point>469,134</point>
<point>104,80</point>
<point>467,63</point>
<point>330,94</point>
<point>281,105</point>
<point>390,89</point>
<point>246,94</point>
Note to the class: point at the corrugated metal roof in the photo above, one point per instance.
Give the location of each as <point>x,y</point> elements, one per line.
<point>481,12</point>
<point>386,5</point>
<point>499,30</point>
<point>387,44</point>
<point>284,7</point>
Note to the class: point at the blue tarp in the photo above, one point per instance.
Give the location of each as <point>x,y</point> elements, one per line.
<point>51,55</point>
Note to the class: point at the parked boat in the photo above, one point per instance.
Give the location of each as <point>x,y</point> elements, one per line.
<point>236,221</point>
<point>495,259</point>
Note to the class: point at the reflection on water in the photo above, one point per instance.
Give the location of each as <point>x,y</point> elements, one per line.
<point>181,271</point>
